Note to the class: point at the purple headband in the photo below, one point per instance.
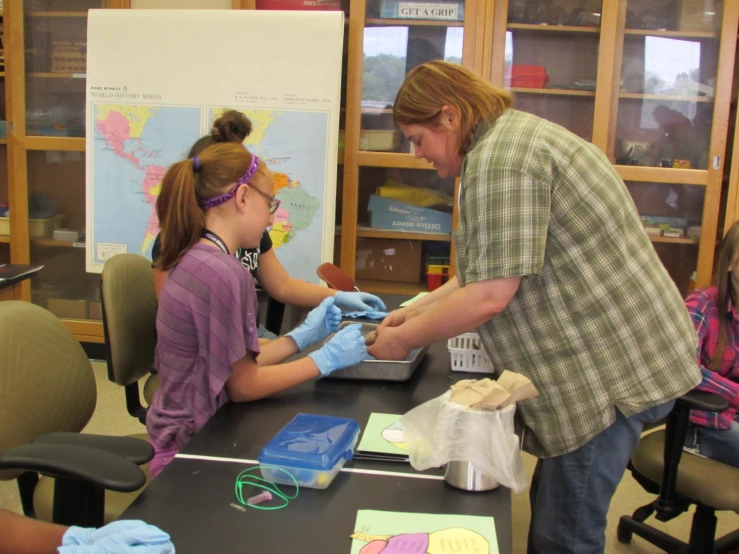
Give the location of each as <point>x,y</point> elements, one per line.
<point>245,178</point>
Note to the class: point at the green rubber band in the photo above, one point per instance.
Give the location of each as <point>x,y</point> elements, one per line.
<point>247,478</point>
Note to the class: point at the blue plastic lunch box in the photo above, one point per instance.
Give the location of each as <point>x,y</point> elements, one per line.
<point>312,448</point>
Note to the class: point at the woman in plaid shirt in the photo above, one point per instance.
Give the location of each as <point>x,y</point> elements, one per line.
<point>559,278</point>
<point>714,314</point>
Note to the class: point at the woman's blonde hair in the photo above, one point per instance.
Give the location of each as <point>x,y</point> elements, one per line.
<point>433,85</point>
<point>187,185</point>
<point>727,258</point>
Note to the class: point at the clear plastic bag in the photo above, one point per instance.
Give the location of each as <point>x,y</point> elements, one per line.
<point>439,431</point>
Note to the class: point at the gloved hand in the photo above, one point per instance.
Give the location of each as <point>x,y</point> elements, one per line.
<point>359,302</point>
<point>118,537</point>
<point>320,323</point>
<point>346,348</point>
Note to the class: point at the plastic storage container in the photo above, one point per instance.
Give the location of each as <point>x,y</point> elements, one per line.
<point>312,448</point>
<point>528,76</point>
<point>468,354</point>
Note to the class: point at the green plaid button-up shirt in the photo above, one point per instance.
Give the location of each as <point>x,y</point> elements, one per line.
<point>597,323</point>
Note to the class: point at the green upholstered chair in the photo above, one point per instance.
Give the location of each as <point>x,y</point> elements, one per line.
<point>682,479</point>
<point>129,323</point>
<point>47,396</point>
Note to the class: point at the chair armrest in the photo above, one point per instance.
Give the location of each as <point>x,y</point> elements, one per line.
<point>669,504</point>
<point>132,449</point>
<point>66,461</point>
<point>706,401</point>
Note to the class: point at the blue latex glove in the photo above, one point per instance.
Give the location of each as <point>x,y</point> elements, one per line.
<point>119,537</point>
<point>359,302</point>
<point>320,323</point>
<point>346,348</point>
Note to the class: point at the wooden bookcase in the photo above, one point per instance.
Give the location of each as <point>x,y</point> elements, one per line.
<point>608,66</point>
<point>600,57</point>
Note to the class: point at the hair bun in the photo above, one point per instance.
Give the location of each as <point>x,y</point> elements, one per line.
<point>231,126</point>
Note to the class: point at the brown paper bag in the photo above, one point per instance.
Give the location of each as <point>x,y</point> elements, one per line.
<point>520,387</point>
<point>483,394</point>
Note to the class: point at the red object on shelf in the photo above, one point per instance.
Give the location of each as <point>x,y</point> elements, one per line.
<point>528,76</point>
<point>319,5</point>
<point>435,280</point>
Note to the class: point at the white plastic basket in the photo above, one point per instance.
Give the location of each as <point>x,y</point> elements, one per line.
<point>468,354</point>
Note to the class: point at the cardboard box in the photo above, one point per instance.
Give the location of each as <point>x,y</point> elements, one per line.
<point>68,309</point>
<point>389,260</point>
<point>386,213</point>
<point>96,311</point>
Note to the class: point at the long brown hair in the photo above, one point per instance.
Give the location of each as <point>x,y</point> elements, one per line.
<point>184,189</point>
<point>435,84</point>
<point>726,259</point>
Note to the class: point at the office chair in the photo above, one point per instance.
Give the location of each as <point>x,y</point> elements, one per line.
<point>129,307</point>
<point>48,394</point>
<point>336,278</point>
<point>681,479</point>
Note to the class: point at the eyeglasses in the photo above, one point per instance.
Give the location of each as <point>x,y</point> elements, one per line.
<point>273,202</point>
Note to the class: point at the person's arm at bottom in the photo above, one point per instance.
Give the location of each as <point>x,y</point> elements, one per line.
<point>460,312</point>
<point>24,535</point>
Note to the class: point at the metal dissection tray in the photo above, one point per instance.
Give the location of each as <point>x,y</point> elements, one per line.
<point>379,370</point>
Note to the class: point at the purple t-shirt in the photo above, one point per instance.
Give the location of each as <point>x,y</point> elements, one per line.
<point>206,320</point>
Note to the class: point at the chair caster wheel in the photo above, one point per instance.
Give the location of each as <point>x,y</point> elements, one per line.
<point>623,535</point>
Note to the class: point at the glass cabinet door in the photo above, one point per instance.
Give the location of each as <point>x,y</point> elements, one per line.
<point>666,96</point>
<point>56,53</point>
<point>398,36</point>
<point>403,209</point>
<point>56,210</point>
<point>551,60</point>
<point>55,37</point>
<point>668,79</point>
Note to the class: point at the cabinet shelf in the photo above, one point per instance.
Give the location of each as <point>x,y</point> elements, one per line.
<point>387,287</point>
<point>3,141</point>
<point>49,241</point>
<point>552,28</point>
<point>663,175</point>
<point>4,239</point>
<point>665,97</point>
<point>673,240</point>
<point>392,159</point>
<point>65,144</point>
<point>553,91</point>
<point>42,75</point>
<point>368,232</point>
<point>671,34</point>
<point>56,14</point>
<point>415,22</point>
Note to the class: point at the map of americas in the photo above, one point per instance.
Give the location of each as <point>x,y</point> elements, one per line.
<point>134,145</point>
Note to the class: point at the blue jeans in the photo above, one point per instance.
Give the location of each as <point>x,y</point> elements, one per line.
<point>570,494</point>
<point>721,445</point>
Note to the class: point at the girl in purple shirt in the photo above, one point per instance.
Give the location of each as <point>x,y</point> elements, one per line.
<point>207,347</point>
